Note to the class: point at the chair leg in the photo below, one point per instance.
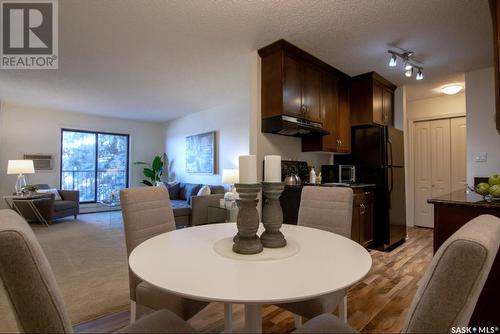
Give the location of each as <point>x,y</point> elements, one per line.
<point>343,309</point>
<point>228,318</point>
<point>133,311</point>
<point>298,321</point>
<point>76,216</point>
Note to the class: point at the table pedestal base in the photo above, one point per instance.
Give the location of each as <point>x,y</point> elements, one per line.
<point>253,318</point>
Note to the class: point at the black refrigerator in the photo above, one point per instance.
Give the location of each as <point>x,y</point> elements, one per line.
<point>378,152</point>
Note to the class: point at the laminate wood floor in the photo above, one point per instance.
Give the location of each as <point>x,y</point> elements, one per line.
<point>378,303</point>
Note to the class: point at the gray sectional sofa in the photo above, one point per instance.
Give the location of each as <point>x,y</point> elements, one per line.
<point>190,209</point>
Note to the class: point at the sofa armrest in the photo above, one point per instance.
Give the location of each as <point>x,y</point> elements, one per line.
<point>71,195</point>
<point>199,208</point>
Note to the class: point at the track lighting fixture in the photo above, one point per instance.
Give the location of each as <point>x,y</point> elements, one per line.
<point>409,63</point>
<point>394,61</point>
<point>420,75</point>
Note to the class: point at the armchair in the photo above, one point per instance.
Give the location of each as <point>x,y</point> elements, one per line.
<point>51,209</point>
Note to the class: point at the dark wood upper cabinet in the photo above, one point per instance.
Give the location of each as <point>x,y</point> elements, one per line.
<point>311,93</point>
<point>292,87</point>
<point>495,13</point>
<point>372,100</point>
<point>291,82</point>
<point>344,120</point>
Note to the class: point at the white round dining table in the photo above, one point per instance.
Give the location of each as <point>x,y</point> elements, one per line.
<point>198,263</point>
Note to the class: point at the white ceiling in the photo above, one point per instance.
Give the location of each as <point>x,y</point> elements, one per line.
<point>157,60</point>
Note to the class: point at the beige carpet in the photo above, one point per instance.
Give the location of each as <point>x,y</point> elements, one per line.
<point>89,260</point>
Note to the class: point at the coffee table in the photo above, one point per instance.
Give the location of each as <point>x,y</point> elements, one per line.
<point>313,264</point>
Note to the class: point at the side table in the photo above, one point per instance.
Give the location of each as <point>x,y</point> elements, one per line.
<point>28,199</point>
<point>216,214</point>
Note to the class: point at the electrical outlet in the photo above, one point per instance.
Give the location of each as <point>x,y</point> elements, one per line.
<point>481,157</point>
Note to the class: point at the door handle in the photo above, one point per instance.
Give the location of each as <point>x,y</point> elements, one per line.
<point>363,208</point>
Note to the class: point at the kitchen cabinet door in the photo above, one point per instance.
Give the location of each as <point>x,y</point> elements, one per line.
<point>378,104</point>
<point>344,119</point>
<point>292,87</point>
<point>388,110</point>
<point>311,93</point>
<point>329,111</point>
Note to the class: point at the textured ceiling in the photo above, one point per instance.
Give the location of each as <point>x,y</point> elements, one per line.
<point>158,60</point>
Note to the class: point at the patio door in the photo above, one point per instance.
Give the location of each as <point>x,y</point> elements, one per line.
<point>94,163</point>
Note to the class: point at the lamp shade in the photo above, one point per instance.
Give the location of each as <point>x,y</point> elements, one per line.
<point>20,167</point>
<point>230,176</point>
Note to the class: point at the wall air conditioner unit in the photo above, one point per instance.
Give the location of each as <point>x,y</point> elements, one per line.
<point>40,161</point>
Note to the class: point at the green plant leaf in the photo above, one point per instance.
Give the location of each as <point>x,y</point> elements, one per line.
<point>146,182</point>
<point>149,173</point>
<point>157,164</point>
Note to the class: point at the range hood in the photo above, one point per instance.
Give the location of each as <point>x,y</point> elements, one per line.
<point>292,126</point>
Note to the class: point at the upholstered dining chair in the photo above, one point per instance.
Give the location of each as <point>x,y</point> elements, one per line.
<point>33,291</point>
<point>451,286</point>
<point>328,209</point>
<point>146,213</point>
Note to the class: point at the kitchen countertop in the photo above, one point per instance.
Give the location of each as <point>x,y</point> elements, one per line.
<point>463,198</point>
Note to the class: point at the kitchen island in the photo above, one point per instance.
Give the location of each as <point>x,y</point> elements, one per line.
<point>451,212</point>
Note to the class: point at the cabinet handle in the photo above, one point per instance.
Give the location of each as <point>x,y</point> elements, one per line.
<point>363,209</point>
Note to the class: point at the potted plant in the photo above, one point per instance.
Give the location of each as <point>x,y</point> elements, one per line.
<point>152,171</point>
<point>30,189</point>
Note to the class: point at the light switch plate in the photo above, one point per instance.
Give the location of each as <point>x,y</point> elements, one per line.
<point>481,157</point>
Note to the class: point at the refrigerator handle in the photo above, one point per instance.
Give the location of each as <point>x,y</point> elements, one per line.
<point>391,186</point>
<point>389,141</point>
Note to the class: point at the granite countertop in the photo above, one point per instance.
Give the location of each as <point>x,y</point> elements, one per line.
<point>465,199</point>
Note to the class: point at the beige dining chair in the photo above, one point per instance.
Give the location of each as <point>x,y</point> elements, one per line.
<point>451,286</point>
<point>33,291</point>
<point>146,213</point>
<point>328,209</point>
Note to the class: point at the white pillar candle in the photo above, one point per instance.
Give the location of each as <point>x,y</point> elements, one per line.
<point>272,168</point>
<point>248,169</point>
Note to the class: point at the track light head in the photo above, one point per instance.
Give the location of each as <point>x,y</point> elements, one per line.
<point>393,62</point>
<point>408,73</point>
<point>420,75</point>
<point>408,66</point>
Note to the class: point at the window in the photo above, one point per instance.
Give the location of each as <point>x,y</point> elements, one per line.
<point>94,163</point>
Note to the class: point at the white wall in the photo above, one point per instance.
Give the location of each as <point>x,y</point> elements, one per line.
<point>441,106</point>
<point>30,130</point>
<point>231,123</point>
<point>264,143</point>
<point>482,135</point>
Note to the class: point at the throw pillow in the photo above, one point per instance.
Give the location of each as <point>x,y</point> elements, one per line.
<point>204,191</point>
<point>189,190</point>
<point>173,189</point>
<point>54,191</point>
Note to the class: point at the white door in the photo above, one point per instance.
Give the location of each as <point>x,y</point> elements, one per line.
<point>458,154</point>
<point>422,167</point>
<point>440,157</point>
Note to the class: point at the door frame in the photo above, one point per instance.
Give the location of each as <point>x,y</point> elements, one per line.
<point>410,219</point>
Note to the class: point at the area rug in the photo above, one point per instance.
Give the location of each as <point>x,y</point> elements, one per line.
<point>89,260</point>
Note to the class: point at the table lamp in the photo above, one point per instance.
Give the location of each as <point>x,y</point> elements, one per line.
<point>230,177</point>
<point>20,167</point>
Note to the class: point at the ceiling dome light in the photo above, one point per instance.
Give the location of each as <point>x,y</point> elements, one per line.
<point>409,72</point>
<point>451,89</point>
<point>420,75</point>
<point>393,62</point>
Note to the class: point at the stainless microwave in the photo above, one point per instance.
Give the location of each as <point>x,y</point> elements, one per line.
<point>338,174</point>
